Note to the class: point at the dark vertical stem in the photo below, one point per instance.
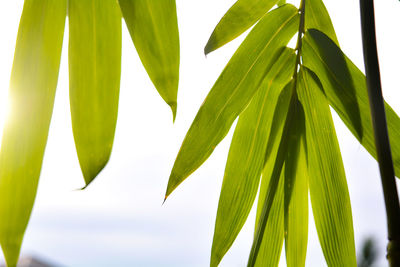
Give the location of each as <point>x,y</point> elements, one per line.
<point>380,130</point>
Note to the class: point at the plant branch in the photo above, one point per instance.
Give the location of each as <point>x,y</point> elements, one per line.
<point>380,130</point>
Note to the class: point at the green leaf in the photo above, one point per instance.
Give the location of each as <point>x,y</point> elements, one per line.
<point>153,26</point>
<point>94,76</point>
<point>296,195</point>
<point>281,2</point>
<point>32,88</point>
<point>328,188</point>
<point>271,244</point>
<point>241,16</point>
<point>323,57</point>
<point>335,76</point>
<point>317,17</point>
<point>254,59</point>
<point>245,163</point>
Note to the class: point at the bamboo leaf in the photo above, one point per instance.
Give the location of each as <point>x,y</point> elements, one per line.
<point>153,26</point>
<point>317,17</point>
<point>241,16</point>
<point>296,196</point>
<point>324,58</point>
<point>32,88</point>
<point>245,163</point>
<point>273,172</point>
<point>256,57</point>
<point>328,188</point>
<point>94,75</point>
<point>271,244</point>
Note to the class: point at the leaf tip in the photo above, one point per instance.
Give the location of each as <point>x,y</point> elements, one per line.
<point>173,106</point>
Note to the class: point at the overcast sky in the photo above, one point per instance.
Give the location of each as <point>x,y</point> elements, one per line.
<point>118,220</point>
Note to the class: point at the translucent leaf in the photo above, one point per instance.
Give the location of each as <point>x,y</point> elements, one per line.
<point>245,163</point>
<point>323,57</point>
<point>273,171</point>
<point>32,88</point>
<point>317,17</point>
<point>94,75</point>
<point>296,195</point>
<point>153,26</point>
<point>241,16</point>
<point>328,188</point>
<point>232,92</point>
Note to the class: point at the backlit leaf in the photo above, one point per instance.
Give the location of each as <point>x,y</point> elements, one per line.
<point>245,163</point>
<point>317,17</point>
<point>32,88</point>
<point>296,196</point>
<point>241,16</point>
<point>324,58</point>
<point>234,89</point>
<point>261,247</point>
<point>153,26</point>
<point>328,187</point>
<point>94,75</point>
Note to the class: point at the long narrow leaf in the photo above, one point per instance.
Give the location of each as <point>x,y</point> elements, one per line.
<point>94,75</point>
<point>296,195</point>
<point>245,163</point>
<point>328,188</point>
<point>268,197</point>
<point>32,88</point>
<point>241,16</point>
<point>272,242</point>
<point>234,89</point>
<point>317,17</point>
<point>153,26</point>
<point>324,58</point>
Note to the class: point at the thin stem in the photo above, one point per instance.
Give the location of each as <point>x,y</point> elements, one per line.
<point>380,130</point>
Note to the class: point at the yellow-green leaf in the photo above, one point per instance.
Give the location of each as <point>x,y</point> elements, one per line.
<point>323,57</point>
<point>234,89</point>
<point>317,17</point>
<point>241,16</point>
<point>328,187</point>
<point>153,26</point>
<point>271,244</point>
<point>245,162</point>
<point>94,76</point>
<point>296,197</point>
<point>262,243</point>
<point>32,88</point>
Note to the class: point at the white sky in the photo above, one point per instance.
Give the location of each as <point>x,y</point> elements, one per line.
<point>119,220</point>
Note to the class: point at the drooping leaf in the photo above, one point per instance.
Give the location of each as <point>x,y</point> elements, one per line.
<point>245,162</point>
<point>273,171</point>
<point>234,89</point>
<point>323,57</point>
<point>296,195</point>
<point>94,76</point>
<point>241,16</point>
<point>328,188</point>
<point>153,26</point>
<point>317,17</point>
<point>32,88</point>
<point>272,242</point>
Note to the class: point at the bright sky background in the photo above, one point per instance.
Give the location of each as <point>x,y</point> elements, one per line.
<point>119,220</point>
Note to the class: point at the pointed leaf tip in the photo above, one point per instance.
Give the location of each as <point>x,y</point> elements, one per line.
<point>173,106</point>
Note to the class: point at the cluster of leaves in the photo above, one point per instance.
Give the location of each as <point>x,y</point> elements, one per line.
<point>284,145</point>
<point>94,74</point>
